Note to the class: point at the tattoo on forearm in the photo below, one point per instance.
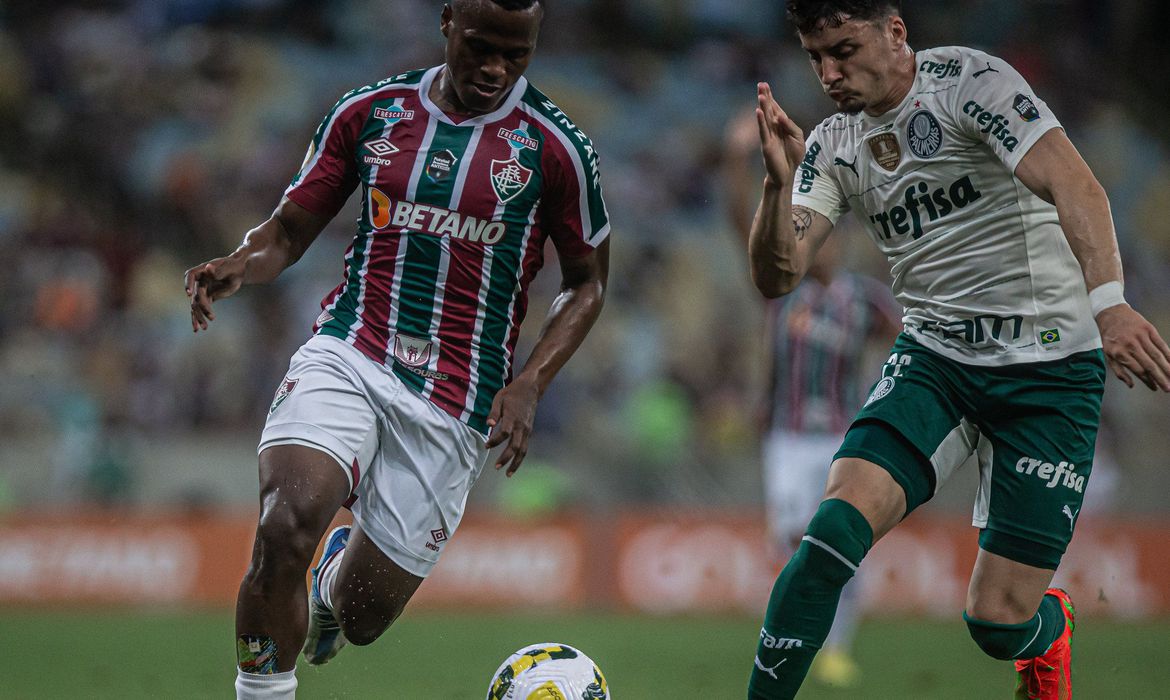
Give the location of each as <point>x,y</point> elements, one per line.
<point>802,219</point>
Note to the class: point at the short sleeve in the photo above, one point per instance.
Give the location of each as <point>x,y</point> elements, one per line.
<point>815,188</point>
<point>328,174</point>
<point>995,105</point>
<point>573,211</point>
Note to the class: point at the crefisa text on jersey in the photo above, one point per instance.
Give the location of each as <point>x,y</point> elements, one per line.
<point>937,204</point>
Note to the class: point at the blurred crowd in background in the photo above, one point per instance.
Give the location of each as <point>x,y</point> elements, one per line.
<point>138,138</point>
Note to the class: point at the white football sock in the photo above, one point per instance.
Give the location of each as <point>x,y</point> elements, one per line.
<point>328,576</point>
<point>266,686</point>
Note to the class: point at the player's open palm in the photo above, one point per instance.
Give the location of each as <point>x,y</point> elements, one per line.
<point>781,140</point>
<point>513,412</point>
<point>211,281</point>
<point>1133,347</point>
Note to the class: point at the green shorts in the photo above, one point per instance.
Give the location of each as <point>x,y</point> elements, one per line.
<point>1033,427</point>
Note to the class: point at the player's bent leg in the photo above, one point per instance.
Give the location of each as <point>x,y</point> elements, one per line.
<point>1012,614</point>
<point>301,489</point>
<point>370,590</point>
<point>863,502</point>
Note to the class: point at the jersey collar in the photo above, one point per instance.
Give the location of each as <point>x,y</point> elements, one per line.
<point>502,111</point>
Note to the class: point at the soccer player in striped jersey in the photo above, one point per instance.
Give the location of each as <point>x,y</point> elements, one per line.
<point>1003,254</point>
<point>817,337</point>
<point>391,406</point>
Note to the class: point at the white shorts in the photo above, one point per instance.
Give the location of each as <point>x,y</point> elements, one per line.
<point>410,465</point>
<point>796,468</point>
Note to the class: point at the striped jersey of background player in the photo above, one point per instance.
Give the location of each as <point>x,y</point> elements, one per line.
<point>1003,253</point>
<point>390,408</point>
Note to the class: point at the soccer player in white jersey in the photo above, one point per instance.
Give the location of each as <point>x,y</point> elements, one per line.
<point>391,406</point>
<point>1003,254</point>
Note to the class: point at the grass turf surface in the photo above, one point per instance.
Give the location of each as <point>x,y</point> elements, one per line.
<point>446,655</point>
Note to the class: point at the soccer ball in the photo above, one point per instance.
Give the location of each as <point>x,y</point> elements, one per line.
<point>548,671</point>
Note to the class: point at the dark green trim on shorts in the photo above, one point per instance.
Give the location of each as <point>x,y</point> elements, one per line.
<point>876,441</point>
<point>1020,550</point>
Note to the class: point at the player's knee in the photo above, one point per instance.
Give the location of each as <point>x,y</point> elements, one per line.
<point>837,539</point>
<point>999,641</point>
<point>286,537</point>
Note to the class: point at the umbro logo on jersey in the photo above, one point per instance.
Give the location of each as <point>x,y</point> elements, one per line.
<point>380,149</point>
<point>393,114</point>
<point>518,137</point>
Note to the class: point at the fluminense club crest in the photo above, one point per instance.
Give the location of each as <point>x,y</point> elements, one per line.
<point>509,178</point>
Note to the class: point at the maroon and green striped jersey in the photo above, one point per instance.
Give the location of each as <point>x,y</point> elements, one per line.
<point>452,229</point>
<point>818,338</point>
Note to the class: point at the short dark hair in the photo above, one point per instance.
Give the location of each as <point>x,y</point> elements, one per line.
<point>812,15</point>
<point>511,5</point>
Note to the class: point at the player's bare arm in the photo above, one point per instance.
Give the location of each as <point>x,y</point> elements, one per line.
<point>1055,172</point>
<point>265,252</point>
<point>783,238</point>
<point>572,314</point>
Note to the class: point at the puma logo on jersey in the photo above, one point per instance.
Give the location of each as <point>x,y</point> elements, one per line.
<point>770,671</point>
<point>1072,515</point>
<point>844,163</point>
<point>988,69</point>
<point>1061,474</point>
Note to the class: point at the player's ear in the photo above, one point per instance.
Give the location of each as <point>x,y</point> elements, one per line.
<point>896,30</point>
<point>445,19</point>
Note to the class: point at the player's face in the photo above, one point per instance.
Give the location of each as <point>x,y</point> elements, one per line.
<point>856,62</point>
<point>488,49</point>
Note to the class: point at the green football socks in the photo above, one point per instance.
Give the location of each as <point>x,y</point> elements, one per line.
<point>804,599</point>
<point>1026,640</point>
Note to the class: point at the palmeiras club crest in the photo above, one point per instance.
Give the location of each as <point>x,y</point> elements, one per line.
<point>286,388</point>
<point>509,178</point>
<point>413,352</point>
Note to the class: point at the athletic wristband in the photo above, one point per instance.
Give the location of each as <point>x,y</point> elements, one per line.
<point>1105,296</point>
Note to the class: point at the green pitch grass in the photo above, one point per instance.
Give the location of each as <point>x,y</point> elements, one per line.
<point>427,655</point>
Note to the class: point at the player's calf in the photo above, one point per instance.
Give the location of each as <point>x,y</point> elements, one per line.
<point>371,590</point>
<point>804,599</point>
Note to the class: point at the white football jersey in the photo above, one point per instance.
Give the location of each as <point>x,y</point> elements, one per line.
<point>980,263</point>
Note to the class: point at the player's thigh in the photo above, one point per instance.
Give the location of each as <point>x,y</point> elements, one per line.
<point>913,425</point>
<point>1041,424</point>
<point>412,499</point>
<point>325,403</point>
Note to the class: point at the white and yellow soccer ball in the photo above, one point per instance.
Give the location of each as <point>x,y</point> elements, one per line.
<point>548,671</point>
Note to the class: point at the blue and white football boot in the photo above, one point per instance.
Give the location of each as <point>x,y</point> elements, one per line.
<point>324,639</point>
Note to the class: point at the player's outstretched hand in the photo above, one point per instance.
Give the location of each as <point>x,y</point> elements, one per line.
<point>1134,348</point>
<point>208,282</point>
<point>781,140</point>
<point>510,419</point>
